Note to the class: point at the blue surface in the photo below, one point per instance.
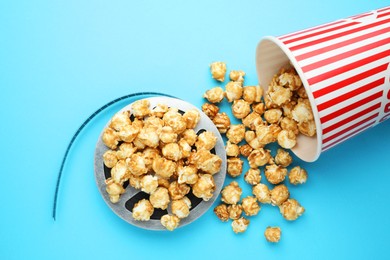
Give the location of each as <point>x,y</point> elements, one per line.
<point>61,60</point>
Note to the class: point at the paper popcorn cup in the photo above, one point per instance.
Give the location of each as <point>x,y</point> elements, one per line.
<point>344,67</point>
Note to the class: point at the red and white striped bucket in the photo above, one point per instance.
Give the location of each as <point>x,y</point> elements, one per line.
<point>344,66</point>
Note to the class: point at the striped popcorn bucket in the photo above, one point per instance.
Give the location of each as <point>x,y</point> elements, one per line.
<point>344,67</point>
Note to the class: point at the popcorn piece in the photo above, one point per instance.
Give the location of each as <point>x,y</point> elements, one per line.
<point>110,138</point>
<point>289,124</point>
<point>129,132</point>
<point>302,92</point>
<point>297,175</point>
<point>252,94</point>
<point>252,176</point>
<point>164,183</point>
<point>264,134</point>
<point>136,164</point>
<point>274,130</point>
<point>278,95</point>
<point>287,139</point>
<point>185,148</point>
<point>175,120</point>
<point>249,136</point>
<point>221,212</point>
<point>125,151</point>
<point>119,173</point>
<point>153,123</point>
<point>307,128</point>
<point>214,95</point>
<point>232,149</point>
<point>170,222</point>
<point>272,234</point>
<point>245,150</point>
<point>259,108</point>
<point>250,206</point>
<point>302,111</point>
<point>218,70</point>
<point>291,209</point>
<point>164,167</point>
<point>290,80</point>
<point>181,207</point>
<point>233,91</point>
<point>262,193</point>
<point>135,181</point>
<point>235,211</point>
<point>190,136</point>
<point>109,158</point>
<point>149,137</point>
<point>172,151</point>
<point>240,108</point>
<point>259,158</point>
<point>234,166</point>
<point>252,120</point>
<point>237,75</point>
<point>207,162</point>
<point>143,210</point>
<point>160,198</point>
<point>140,108</point>
<point>206,140</point>
<point>149,183</point>
<point>231,193</point>
<point>236,133</point>
<point>120,120</point>
<point>283,158</point>
<point>279,194</point>
<point>273,116</point>
<point>240,225</point>
<point>167,135</point>
<point>192,118</point>
<point>178,191</point>
<point>222,122</point>
<point>288,108</point>
<point>204,187</point>
<point>187,174</point>
<point>114,190</point>
<point>159,110</point>
<point>210,110</point>
<point>275,174</point>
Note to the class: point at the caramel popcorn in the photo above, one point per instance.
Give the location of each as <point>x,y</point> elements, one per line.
<point>143,210</point>
<point>245,150</point>
<point>259,108</point>
<point>178,191</point>
<point>290,80</point>
<point>164,167</point>
<point>172,151</point>
<point>273,115</point>
<point>236,133</point>
<point>235,211</point>
<point>206,140</point>
<point>264,134</point>
<point>190,136</point>
<point>259,158</point>
<point>167,135</point>
<point>250,206</point>
<point>252,120</point>
<point>119,172</point>
<point>252,94</point>
<point>289,124</point>
<point>159,110</point>
<point>283,158</point>
<point>160,198</point>
<point>164,183</point>
<point>175,120</point>
<point>240,225</point>
<point>110,158</point>
<point>181,207</point>
<point>234,166</point>
<point>208,162</point>
<point>149,137</point>
<point>185,148</point>
<point>231,193</point>
<point>249,136</point>
<point>187,174</point>
<point>291,209</point>
<point>114,190</point>
<point>153,123</point>
<point>272,234</point>
<point>233,91</point>
<point>252,176</point>
<point>218,70</point>
<point>192,118</point>
<point>307,128</point>
<point>149,183</point>
<point>302,92</point>
<point>288,108</point>
<point>170,222</point>
<point>221,212</point>
<point>140,108</point>
<point>232,150</point>
<point>302,111</point>
<point>120,120</point>
<point>237,75</point>
<point>204,187</point>
<point>287,139</point>
<point>275,174</point>
<point>277,96</point>
<point>222,122</point>
<point>279,194</point>
<point>125,151</point>
<point>110,138</point>
<point>135,181</point>
<point>262,193</point>
<point>136,164</point>
<point>240,108</point>
<point>297,175</point>
<point>214,95</point>
<point>210,110</point>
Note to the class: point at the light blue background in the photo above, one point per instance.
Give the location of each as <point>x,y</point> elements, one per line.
<point>61,60</point>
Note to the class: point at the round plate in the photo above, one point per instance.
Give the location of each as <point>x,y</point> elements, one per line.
<point>126,203</point>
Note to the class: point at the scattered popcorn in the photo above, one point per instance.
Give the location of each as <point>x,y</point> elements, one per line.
<point>240,108</point>
<point>231,193</point>
<point>206,140</point>
<point>164,167</point>
<point>252,176</point>
<point>262,193</point>
<point>302,111</point>
<point>283,158</point>
<point>233,91</point>
<point>289,124</point>
<point>240,225</point>
<point>235,211</point>
<point>279,194</point>
<point>236,133</point>
<point>272,234</point>
<point>187,174</point>
<point>287,139</point>
<point>245,150</point>
<point>221,211</point>
<point>181,207</point>
<point>273,115</point>
<point>252,94</point>
<point>252,121</point>
<point>208,162</point>
<point>170,222</point>
<point>250,206</point>
<point>160,198</point>
<point>297,175</point>
<point>114,190</point>
<point>275,174</point>
<point>232,150</point>
<point>210,110</point>
<point>264,134</point>
<point>218,70</point>
<point>192,118</point>
<point>143,210</point>
<point>222,122</point>
<point>214,95</point>
<point>190,136</point>
<point>259,108</point>
<point>204,187</point>
<point>237,75</point>
<point>259,158</point>
<point>175,120</point>
<point>291,209</point>
<point>307,128</point>
<point>234,166</point>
